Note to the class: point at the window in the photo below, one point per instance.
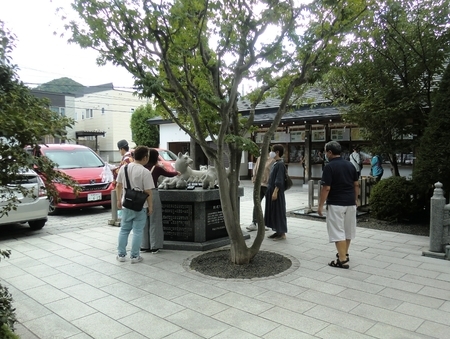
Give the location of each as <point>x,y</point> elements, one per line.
<point>89,113</point>
<point>62,111</point>
<point>103,110</point>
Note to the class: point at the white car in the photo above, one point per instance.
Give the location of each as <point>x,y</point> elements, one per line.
<point>32,208</point>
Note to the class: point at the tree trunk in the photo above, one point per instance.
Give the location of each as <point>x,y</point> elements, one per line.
<point>394,164</point>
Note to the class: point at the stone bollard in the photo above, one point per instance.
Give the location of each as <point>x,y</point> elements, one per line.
<point>310,194</point>
<point>437,219</point>
<point>114,221</point>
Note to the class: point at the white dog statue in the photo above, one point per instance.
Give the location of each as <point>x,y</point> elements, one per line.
<point>208,178</point>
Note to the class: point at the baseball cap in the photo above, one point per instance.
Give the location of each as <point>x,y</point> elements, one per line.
<point>122,143</point>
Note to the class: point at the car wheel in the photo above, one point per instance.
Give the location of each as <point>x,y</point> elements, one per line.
<point>51,206</point>
<point>107,206</point>
<point>37,224</point>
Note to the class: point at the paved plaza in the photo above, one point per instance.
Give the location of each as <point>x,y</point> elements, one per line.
<point>66,283</point>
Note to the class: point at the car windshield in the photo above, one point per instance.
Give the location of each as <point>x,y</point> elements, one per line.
<point>76,158</point>
<point>167,155</point>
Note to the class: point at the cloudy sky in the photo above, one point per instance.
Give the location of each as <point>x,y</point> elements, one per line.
<point>43,56</point>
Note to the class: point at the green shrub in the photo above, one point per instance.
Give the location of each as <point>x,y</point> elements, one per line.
<point>393,199</point>
<point>7,314</point>
<point>7,333</point>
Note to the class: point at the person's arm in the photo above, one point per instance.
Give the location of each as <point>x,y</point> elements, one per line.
<point>119,190</point>
<point>356,185</point>
<point>323,197</point>
<point>149,201</point>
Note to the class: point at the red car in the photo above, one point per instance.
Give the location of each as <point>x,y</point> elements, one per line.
<point>167,159</point>
<point>86,168</point>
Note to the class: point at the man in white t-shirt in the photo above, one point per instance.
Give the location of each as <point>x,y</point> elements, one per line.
<point>140,178</point>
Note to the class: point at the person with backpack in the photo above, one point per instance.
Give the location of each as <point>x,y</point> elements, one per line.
<point>377,167</point>
<point>356,160</point>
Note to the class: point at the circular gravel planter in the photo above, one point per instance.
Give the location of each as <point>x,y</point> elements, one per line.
<point>264,264</point>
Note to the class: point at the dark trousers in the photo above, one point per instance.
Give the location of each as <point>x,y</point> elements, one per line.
<point>262,193</point>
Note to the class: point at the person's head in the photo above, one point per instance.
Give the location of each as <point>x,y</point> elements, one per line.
<point>333,149</point>
<point>357,149</point>
<point>141,154</point>
<point>153,156</point>
<point>123,147</point>
<point>278,149</point>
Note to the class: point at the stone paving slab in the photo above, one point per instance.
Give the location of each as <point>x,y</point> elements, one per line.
<point>66,283</point>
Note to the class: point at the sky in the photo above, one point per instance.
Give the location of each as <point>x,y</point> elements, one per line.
<point>42,56</point>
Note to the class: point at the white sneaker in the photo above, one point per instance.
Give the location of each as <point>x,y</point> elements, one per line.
<point>252,227</point>
<point>136,260</point>
<point>120,258</point>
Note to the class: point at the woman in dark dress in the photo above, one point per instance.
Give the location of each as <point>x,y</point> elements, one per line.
<point>275,211</point>
<point>153,237</point>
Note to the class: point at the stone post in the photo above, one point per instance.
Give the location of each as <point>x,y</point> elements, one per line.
<point>114,221</point>
<point>310,194</point>
<point>437,219</point>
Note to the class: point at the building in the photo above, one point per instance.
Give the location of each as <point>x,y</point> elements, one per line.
<point>102,116</point>
<point>303,131</point>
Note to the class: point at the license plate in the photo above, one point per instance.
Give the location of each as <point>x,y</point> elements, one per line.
<point>94,197</point>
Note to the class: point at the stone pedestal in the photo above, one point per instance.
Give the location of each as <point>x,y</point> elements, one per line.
<point>193,219</point>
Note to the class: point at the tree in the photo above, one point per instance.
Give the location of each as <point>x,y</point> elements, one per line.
<point>387,73</point>
<point>142,132</point>
<point>191,56</point>
<point>433,157</point>
<point>24,121</point>
<point>62,85</point>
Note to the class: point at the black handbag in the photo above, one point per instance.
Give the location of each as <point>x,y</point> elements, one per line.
<point>134,199</point>
<point>287,180</point>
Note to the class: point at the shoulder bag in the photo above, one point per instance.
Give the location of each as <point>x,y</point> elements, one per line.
<point>287,180</point>
<point>134,199</point>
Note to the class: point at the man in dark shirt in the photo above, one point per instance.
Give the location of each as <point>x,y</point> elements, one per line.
<point>340,189</point>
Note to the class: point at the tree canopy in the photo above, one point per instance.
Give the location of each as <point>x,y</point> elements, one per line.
<point>192,56</point>
<point>62,85</point>
<point>388,71</point>
<point>142,132</point>
<point>433,157</point>
<point>24,121</point>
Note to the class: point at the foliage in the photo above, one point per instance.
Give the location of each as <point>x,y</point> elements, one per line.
<point>192,56</point>
<point>62,85</point>
<point>393,199</point>
<point>433,158</point>
<point>142,132</point>
<point>387,73</point>
<point>24,121</point>
<point>7,312</point>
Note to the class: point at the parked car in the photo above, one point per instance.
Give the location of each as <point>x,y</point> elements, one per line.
<point>167,158</point>
<point>86,168</point>
<point>32,207</point>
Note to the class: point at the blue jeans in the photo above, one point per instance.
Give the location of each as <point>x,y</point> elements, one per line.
<point>131,220</point>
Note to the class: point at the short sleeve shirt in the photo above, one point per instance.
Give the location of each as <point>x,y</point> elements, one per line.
<point>340,175</point>
<point>140,178</point>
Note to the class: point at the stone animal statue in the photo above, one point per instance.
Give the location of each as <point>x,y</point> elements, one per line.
<point>188,175</point>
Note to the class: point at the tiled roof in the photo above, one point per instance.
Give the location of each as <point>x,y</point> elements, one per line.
<point>312,106</point>
<point>312,95</point>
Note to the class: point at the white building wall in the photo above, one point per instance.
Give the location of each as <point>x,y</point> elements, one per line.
<point>173,133</point>
<point>112,110</point>
<point>70,113</point>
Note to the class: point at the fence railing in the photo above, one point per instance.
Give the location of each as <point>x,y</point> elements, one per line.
<point>365,185</point>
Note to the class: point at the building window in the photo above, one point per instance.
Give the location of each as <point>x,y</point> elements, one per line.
<point>89,113</point>
<point>103,110</point>
<point>62,111</point>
